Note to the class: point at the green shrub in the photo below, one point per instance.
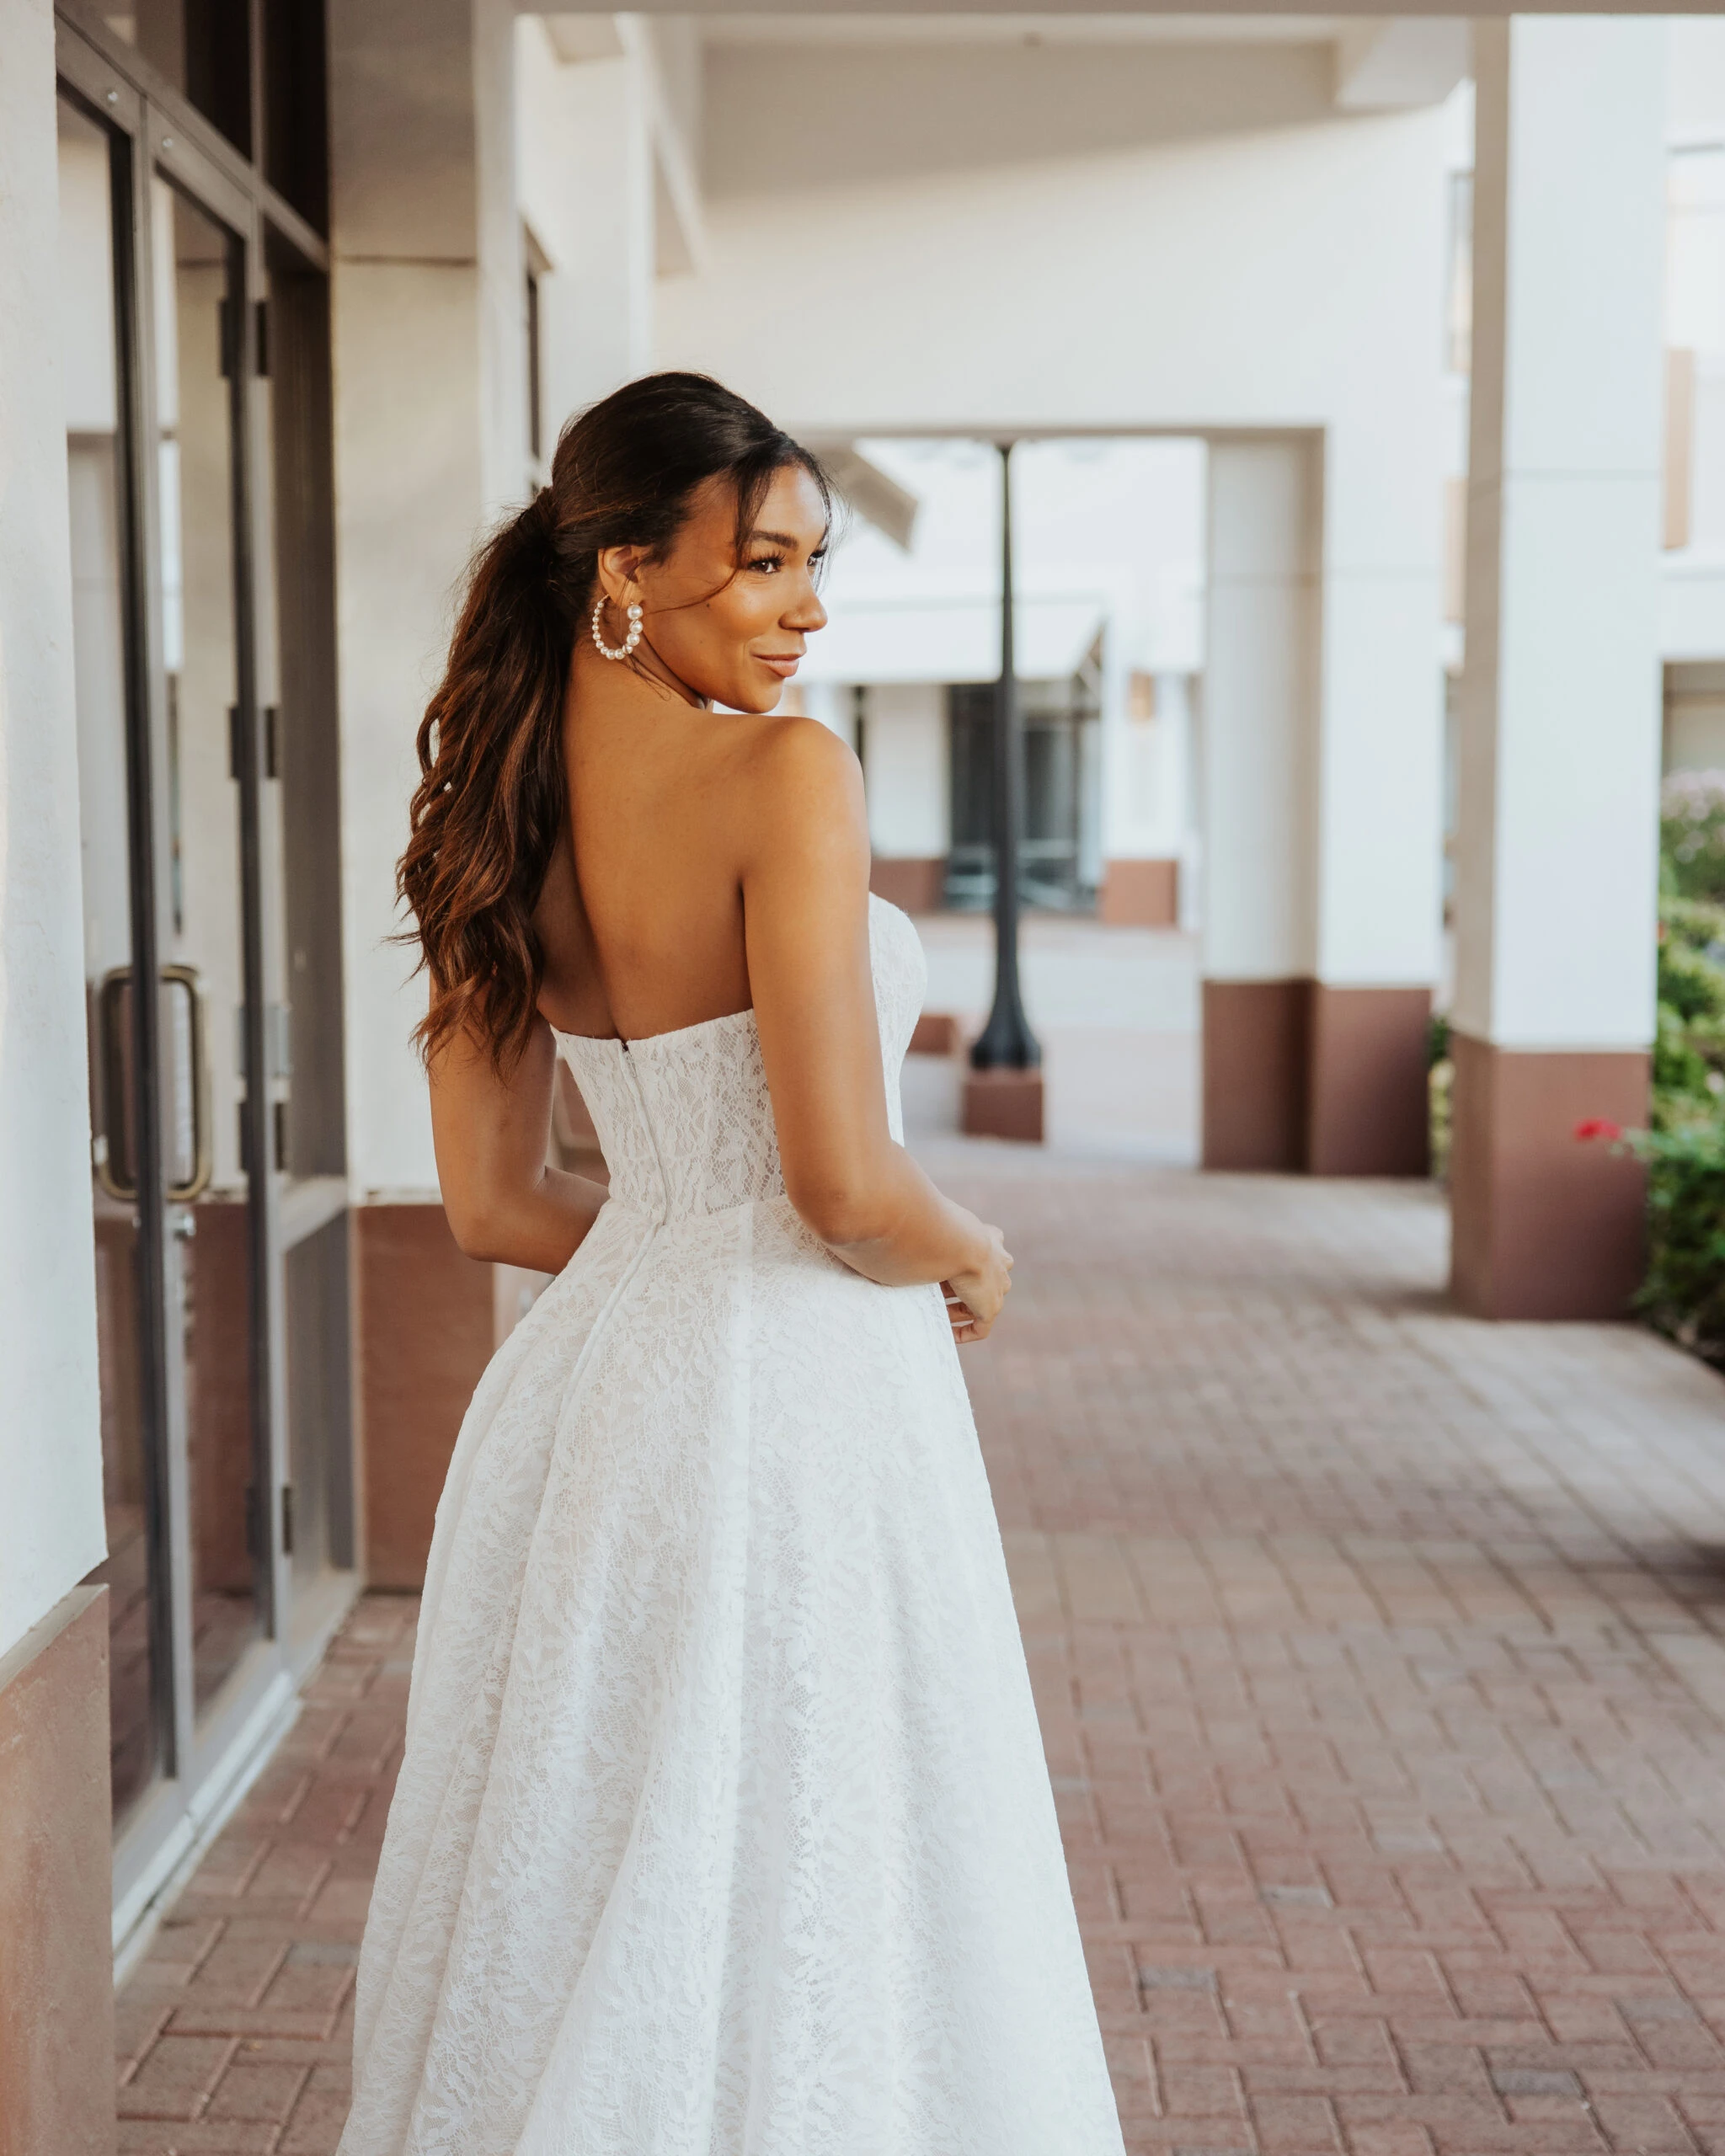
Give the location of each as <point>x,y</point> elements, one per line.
<point>1683,1294</point>
<point>1688,1047</point>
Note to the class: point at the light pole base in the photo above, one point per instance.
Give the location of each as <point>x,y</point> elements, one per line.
<point>1003,1104</point>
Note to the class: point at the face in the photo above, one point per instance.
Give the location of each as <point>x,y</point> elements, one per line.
<point>729,628</point>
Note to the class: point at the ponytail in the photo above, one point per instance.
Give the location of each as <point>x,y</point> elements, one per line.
<point>491,799</point>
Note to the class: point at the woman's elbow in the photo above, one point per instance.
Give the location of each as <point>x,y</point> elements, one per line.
<point>842,1212</point>
<point>478,1230</point>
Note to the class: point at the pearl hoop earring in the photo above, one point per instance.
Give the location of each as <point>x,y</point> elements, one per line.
<point>628,644</point>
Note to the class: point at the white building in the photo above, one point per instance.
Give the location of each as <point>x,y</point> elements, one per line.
<point>256,403</point>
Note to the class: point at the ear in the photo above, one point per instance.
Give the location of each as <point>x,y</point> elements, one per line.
<point>620,573</point>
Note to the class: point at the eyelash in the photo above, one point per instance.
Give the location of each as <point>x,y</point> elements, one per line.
<point>778,561</point>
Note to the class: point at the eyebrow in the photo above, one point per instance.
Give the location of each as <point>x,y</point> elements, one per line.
<point>783,539</point>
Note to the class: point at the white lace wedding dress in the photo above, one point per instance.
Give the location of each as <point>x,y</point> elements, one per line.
<point>723,1828</point>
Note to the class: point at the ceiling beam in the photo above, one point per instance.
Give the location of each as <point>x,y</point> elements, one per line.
<point>1400,61</point>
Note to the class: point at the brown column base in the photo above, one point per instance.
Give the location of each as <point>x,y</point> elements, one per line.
<point>936,1034</point>
<point>917,885</point>
<point>426,1329</point>
<point>1369,1098</point>
<point>1002,1104</point>
<point>1544,1225</point>
<point>1139,894</point>
<point>56,1887</point>
<point>1302,1077</point>
<point>1256,1052</point>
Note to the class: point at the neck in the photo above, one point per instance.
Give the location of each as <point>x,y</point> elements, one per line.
<point>643,674</point>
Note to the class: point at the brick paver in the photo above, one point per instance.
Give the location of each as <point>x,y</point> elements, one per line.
<point>1381,1663</point>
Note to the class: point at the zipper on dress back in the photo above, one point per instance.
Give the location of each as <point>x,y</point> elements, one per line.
<point>651,1134</point>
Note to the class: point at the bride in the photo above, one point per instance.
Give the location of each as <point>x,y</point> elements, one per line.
<point>723,1828</point>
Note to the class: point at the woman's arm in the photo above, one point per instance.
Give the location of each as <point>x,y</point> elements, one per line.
<point>492,1134</point>
<point>805,913</point>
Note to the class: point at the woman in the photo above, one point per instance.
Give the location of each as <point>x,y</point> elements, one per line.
<point>723,1828</point>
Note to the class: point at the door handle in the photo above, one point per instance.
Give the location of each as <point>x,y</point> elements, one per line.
<point>115,1169</point>
<point>115,1160</point>
<point>197,1078</point>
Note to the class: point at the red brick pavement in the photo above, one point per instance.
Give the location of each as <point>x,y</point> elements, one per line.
<point>1381,1663</point>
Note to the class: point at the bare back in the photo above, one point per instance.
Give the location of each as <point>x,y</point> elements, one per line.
<point>641,919</point>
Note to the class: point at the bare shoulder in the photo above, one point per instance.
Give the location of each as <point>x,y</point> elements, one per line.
<point>794,776</point>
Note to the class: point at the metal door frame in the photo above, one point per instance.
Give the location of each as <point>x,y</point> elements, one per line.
<point>205,1769</point>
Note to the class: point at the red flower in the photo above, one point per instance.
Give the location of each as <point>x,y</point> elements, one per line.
<point>1599,1126</point>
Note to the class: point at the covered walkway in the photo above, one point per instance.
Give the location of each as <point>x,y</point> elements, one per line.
<point>1381,1662</point>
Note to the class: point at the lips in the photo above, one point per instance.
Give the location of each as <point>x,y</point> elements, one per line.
<point>784,664</point>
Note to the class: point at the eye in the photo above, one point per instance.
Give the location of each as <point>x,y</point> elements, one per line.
<point>767,563</point>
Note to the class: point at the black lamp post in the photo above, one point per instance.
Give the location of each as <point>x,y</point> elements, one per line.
<point>1006,1043</point>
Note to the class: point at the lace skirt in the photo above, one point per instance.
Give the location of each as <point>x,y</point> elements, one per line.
<point>723,1828</point>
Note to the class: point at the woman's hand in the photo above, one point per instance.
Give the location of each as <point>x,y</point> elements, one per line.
<point>975,1296</point>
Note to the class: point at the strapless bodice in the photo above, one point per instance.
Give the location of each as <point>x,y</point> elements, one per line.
<point>684,1119</point>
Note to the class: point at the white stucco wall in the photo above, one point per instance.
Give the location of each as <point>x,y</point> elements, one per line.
<point>1692,585</point>
<point>1556,867</point>
<point>1184,237</point>
<point>1261,711</point>
<point>904,768</point>
<point>50,1463</point>
<point>429,445</point>
<point>584,163</point>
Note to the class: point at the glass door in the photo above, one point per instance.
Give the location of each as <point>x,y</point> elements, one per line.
<point>301,844</point>
<point>93,177</point>
<point>194,330</point>
<point>217,1333</point>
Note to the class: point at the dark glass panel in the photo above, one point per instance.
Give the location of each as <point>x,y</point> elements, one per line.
<point>296,125</point>
<point>204,48</point>
<point>197,419</point>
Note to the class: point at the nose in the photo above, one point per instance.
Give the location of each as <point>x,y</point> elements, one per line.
<point>806,614</point>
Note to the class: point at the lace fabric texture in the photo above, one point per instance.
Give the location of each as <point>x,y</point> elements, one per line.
<point>723,1828</point>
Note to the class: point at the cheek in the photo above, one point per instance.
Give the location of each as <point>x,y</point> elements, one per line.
<point>738,614</point>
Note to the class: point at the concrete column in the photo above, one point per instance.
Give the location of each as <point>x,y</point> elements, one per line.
<point>1322,794</point>
<point>430,447</point>
<point>599,326</point>
<point>1556,859</point>
<point>52,1528</point>
<point>1261,702</point>
<point>1378,785</point>
<point>905,768</point>
<point>415,465</point>
<point>56,2011</point>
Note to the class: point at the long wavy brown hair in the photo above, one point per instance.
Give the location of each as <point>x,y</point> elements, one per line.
<point>492,799</point>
